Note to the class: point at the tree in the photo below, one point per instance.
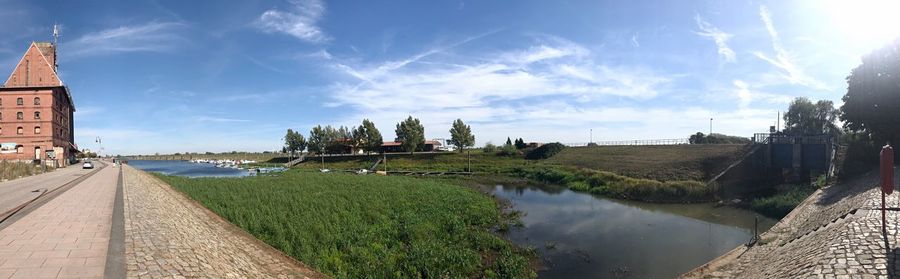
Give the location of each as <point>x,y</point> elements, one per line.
<point>294,141</point>
<point>411,134</point>
<point>872,103</point>
<point>508,141</point>
<point>807,118</point>
<point>318,140</point>
<point>461,135</point>
<point>520,144</point>
<point>698,138</point>
<point>367,137</point>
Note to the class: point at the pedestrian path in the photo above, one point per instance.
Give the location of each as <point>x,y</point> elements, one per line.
<point>67,237</point>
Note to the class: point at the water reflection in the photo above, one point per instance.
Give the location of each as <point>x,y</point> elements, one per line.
<point>585,236</point>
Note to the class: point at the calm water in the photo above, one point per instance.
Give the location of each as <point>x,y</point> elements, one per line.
<point>186,168</point>
<point>585,236</point>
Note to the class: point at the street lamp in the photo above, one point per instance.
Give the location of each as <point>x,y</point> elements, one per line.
<point>710,125</point>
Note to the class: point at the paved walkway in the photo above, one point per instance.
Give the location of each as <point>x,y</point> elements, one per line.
<point>169,235</point>
<point>65,238</point>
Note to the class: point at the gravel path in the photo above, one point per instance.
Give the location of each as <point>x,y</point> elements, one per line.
<point>169,235</point>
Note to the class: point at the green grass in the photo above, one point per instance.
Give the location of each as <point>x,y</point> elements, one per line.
<point>664,162</point>
<point>351,226</point>
<point>452,162</point>
<point>779,205</point>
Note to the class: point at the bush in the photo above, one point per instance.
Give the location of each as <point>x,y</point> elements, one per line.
<point>508,150</point>
<point>545,151</point>
<point>489,148</point>
<point>780,205</point>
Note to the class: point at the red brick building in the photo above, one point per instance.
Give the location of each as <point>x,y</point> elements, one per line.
<point>36,111</point>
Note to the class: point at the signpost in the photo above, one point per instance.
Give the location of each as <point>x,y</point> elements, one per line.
<point>887,179</point>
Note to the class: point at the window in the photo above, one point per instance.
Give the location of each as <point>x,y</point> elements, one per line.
<point>20,101</point>
<point>1,102</point>
<point>20,130</point>
<point>37,101</point>
<point>20,115</point>
<point>37,115</point>
<point>37,129</point>
<point>20,149</point>
<point>1,116</point>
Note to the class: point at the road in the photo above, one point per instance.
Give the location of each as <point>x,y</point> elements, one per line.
<point>15,192</point>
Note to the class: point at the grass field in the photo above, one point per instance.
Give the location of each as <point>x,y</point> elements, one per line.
<point>664,163</point>
<point>351,226</point>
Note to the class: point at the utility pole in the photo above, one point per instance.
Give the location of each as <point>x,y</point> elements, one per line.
<point>710,125</point>
<point>592,136</point>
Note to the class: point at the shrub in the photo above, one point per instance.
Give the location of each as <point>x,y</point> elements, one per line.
<point>780,205</point>
<point>489,148</point>
<point>508,150</point>
<point>545,151</point>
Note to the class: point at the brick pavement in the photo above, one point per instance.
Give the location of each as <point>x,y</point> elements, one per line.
<point>169,235</point>
<point>65,238</point>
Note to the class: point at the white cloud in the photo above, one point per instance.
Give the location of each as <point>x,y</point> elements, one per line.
<point>634,40</point>
<point>747,95</point>
<point>718,36</point>
<point>783,58</point>
<point>205,118</point>
<point>301,21</point>
<point>149,37</point>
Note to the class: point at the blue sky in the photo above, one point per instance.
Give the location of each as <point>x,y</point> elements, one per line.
<point>180,76</point>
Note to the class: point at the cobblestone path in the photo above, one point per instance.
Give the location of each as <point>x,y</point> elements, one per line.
<point>169,235</point>
<point>836,233</point>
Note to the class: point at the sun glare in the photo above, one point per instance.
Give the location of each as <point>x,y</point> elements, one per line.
<point>866,24</point>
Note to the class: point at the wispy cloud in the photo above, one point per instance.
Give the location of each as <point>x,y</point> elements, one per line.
<point>747,95</point>
<point>718,36</point>
<point>634,40</point>
<point>301,21</point>
<point>783,58</point>
<point>148,37</point>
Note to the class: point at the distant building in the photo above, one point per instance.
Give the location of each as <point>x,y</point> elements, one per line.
<point>36,111</point>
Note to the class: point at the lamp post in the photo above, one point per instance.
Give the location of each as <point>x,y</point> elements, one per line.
<point>592,136</point>
<point>710,125</point>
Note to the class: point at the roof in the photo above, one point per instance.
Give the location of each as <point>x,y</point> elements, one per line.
<point>397,143</point>
<point>38,62</point>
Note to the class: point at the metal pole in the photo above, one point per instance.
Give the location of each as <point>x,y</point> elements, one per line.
<point>468,161</point>
<point>710,125</point>
<point>592,135</point>
<point>883,215</point>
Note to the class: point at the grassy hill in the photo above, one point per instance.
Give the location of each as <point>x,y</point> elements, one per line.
<point>663,162</point>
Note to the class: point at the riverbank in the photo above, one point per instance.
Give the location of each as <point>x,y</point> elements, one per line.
<point>351,226</point>
<point>836,231</point>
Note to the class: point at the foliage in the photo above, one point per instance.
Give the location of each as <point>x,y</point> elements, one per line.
<point>294,141</point>
<point>508,150</point>
<point>618,186</point>
<point>781,204</point>
<point>806,118</point>
<point>489,148</point>
<point>872,102</point>
<point>508,141</point>
<point>12,170</point>
<point>351,226</point>
<point>520,144</point>
<point>461,135</point>
<point>411,134</point>
<point>858,154</point>
<point>367,137</point>
<point>714,138</point>
<point>545,151</point>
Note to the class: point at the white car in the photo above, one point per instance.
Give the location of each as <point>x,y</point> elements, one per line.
<point>87,165</point>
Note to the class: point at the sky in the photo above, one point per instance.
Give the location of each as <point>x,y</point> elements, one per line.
<point>195,76</point>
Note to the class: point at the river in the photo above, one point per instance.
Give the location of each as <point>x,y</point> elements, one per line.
<point>580,235</point>
<point>186,168</point>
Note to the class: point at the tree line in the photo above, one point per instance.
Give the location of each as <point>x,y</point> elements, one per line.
<point>366,137</point>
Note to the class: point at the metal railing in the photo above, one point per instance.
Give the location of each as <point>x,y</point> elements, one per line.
<point>632,142</point>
